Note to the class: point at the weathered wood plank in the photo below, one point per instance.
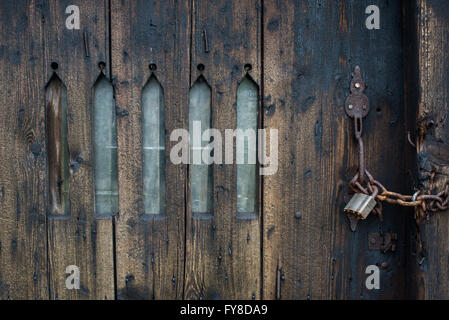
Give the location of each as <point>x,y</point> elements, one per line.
<point>23,180</point>
<point>429,255</point>
<point>78,238</point>
<point>310,50</point>
<point>150,251</point>
<point>223,253</point>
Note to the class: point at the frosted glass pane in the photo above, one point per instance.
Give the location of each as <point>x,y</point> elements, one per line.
<point>105,149</point>
<point>246,173</point>
<point>200,174</point>
<point>153,147</point>
<point>58,152</point>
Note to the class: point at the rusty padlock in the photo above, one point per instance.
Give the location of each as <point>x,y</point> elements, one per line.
<point>360,206</point>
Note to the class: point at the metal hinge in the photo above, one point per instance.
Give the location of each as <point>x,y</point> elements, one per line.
<point>382,241</point>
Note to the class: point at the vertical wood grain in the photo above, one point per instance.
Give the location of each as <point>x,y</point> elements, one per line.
<point>302,53</point>
<point>310,50</point>
<point>149,251</point>
<point>79,238</point>
<point>23,165</point>
<point>223,253</point>
<point>57,148</point>
<point>429,255</point>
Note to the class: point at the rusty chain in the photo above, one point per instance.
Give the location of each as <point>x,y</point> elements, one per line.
<point>357,107</point>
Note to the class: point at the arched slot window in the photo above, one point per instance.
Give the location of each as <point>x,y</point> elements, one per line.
<point>247,125</point>
<point>153,140</point>
<point>201,176</point>
<point>105,148</point>
<point>57,146</point>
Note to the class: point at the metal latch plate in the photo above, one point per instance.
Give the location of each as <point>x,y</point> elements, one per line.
<point>382,241</point>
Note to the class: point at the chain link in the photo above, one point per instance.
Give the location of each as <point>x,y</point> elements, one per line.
<point>424,202</point>
<point>357,107</point>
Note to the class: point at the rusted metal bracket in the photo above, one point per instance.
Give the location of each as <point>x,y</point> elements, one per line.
<point>206,41</point>
<point>357,103</point>
<point>382,241</point>
<point>357,107</point>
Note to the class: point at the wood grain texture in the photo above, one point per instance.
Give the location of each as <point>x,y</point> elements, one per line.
<point>57,148</point>
<point>429,257</point>
<point>150,251</point>
<point>78,238</point>
<point>223,253</point>
<point>302,53</point>
<point>310,50</point>
<point>23,166</point>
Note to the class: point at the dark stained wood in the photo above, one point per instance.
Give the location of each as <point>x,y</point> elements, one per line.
<point>223,253</point>
<point>302,53</point>
<point>78,238</point>
<point>428,258</point>
<point>310,50</point>
<point>55,125</point>
<point>23,180</point>
<point>150,252</point>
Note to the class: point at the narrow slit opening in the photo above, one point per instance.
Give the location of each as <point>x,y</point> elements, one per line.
<point>247,125</point>
<point>153,144</point>
<point>201,174</point>
<point>105,149</point>
<point>57,146</point>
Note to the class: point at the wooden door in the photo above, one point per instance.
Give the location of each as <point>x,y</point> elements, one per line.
<point>119,209</point>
